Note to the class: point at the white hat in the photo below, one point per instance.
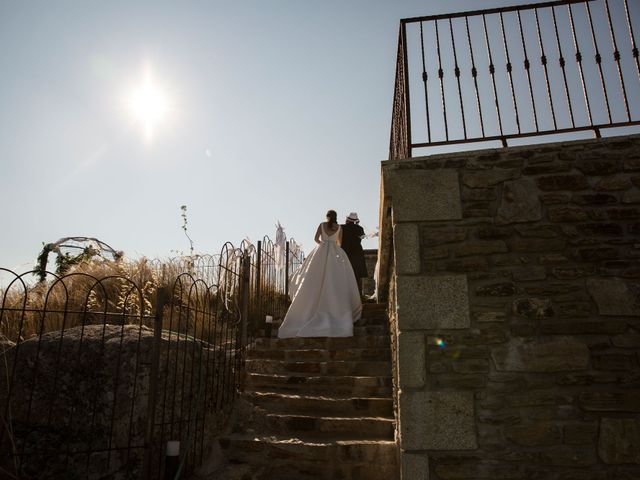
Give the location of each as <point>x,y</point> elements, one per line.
<point>353,216</point>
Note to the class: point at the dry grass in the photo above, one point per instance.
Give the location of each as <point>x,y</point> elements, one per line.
<point>98,292</point>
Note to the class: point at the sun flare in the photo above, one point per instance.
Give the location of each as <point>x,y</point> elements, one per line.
<point>148,104</point>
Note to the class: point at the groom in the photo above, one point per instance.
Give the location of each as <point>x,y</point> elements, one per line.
<point>352,235</point>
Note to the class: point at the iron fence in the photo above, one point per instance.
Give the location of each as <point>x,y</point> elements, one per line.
<point>98,373</point>
<point>522,71</point>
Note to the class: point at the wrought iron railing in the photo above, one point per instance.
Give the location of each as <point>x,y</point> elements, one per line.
<point>101,367</point>
<point>523,71</point>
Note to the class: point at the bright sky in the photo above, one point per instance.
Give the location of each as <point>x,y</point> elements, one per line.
<point>268,111</point>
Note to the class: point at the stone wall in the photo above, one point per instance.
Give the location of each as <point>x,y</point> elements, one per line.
<point>87,389</point>
<point>368,283</point>
<point>515,302</point>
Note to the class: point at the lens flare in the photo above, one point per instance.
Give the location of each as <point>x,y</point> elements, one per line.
<point>148,104</point>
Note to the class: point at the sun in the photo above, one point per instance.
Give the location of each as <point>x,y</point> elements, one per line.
<point>148,105</point>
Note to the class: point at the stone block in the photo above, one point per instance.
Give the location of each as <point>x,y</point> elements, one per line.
<point>627,401</point>
<point>570,273</point>
<point>580,433</point>
<point>478,194</point>
<point>487,178</point>
<point>543,245</point>
<point>435,253</point>
<point>553,355</point>
<point>437,236</point>
<point>455,381</point>
<point>468,265</point>
<point>631,196</point>
<point>525,274</point>
<point>572,327</point>
<point>481,248</point>
<point>553,258</point>
<point>562,182</point>
<point>619,440</point>
<point>614,296</point>
<point>414,466</point>
<point>613,183</point>
<point>437,421</point>
<point>567,214</point>
<point>596,254</point>
<point>519,202</point>
<point>471,365</point>
<point>574,309</point>
<point>594,199</point>
<point>626,341</point>
<point>555,198</point>
<point>502,289</point>
<point>546,167</point>
<point>478,471</point>
<point>599,166</point>
<point>533,307</point>
<point>569,456</point>
<point>432,302</point>
<point>493,233</point>
<point>614,361</point>
<point>623,213</point>
<point>632,163</point>
<point>540,231</point>
<point>533,434</point>
<point>411,359</point>
<point>600,229</point>
<point>406,240</point>
<point>424,195</point>
<point>489,316</point>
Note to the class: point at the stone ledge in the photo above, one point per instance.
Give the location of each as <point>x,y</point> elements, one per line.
<point>423,195</point>
<point>437,421</point>
<point>406,241</point>
<point>433,302</point>
<point>415,466</point>
<point>411,359</point>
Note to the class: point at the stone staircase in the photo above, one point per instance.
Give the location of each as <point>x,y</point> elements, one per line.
<point>317,408</point>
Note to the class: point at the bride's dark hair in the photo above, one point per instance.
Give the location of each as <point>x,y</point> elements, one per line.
<point>332,216</point>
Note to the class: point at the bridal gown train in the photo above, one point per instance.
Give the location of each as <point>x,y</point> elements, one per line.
<point>324,292</point>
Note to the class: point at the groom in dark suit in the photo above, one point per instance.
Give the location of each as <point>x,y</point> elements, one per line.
<point>352,235</point>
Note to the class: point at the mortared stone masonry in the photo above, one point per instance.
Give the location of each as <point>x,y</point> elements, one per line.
<point>513,280</point>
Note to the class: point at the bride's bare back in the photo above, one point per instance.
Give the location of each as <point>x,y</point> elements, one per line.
<point>329,229</point>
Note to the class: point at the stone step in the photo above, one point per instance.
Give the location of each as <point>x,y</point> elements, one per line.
<point>368,330</point>
<point>376,311</point>
<point>338,471</point>
<point>309,458</point>
<point>361,328</point>
<point>339,385</point>
<point>277,402</point>
<point>369,368</point>
<point>325,343</point>
<point>378,319</point>
<point>369,308</point>
<point>335,428</point>
<point>321,354</point>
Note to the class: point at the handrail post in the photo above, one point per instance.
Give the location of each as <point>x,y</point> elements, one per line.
<point>244,312</point>
<point>407,102</point>
<point>286,272</point>
<point>161,296</point>
<point>259,316</point>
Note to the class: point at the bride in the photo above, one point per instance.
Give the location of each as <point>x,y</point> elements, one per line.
<point>324,291</point>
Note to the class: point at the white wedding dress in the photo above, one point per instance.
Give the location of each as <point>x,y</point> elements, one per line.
<point>324,292</point>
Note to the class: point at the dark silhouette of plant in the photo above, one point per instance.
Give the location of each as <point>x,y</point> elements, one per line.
<point>184,227</point>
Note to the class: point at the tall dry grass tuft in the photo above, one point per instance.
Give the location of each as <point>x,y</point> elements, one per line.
<point>96,292</point>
